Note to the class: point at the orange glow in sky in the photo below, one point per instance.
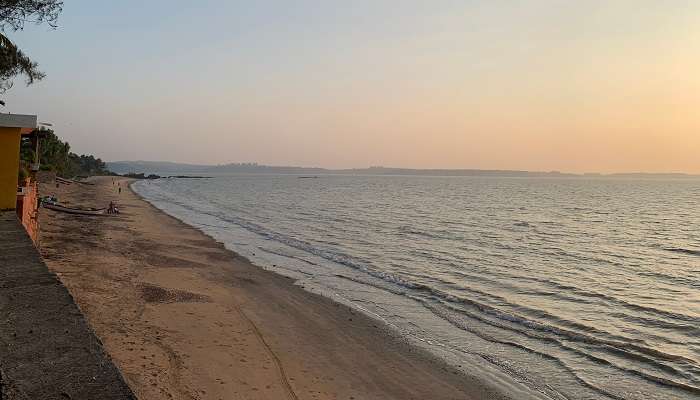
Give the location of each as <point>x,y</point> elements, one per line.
<point>595,86</point>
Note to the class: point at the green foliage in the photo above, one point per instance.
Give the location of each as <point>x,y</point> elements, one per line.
<point>87,165</point>
<point>13,15</point>
<point>13,62</point>
<point>55,155</point>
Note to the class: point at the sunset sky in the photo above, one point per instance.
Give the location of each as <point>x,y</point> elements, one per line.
<point>600,86</point>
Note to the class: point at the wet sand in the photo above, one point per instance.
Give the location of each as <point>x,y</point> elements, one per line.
<point>184,318</point>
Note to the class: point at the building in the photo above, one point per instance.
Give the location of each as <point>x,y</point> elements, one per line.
<point>12,126</point>
<point>15,195</point>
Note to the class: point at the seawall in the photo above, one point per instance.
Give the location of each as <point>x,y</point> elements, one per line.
<point>47,348</point>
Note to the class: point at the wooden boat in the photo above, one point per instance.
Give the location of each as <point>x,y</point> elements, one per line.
<point>79,211</point>
<point>69,181</point>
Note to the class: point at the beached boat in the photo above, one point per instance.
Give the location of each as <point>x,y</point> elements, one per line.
<point>79,211</point>
<point>70,181</point>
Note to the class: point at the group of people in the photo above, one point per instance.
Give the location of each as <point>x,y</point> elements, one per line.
<point>119,186</point>
<point>51,199</point>
<point>112,209</point>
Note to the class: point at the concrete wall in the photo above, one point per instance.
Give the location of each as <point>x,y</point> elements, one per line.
<point>9,167</point>
<point>48,350</point>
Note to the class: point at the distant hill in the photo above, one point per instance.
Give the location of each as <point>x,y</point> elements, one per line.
<point>165,168</point>
<point>151,167</point>
<point>171,168</point>
<point>670,175</point>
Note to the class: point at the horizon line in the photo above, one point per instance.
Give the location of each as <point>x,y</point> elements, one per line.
<point>376,167</point>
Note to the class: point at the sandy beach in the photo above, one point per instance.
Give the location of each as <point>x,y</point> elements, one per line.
<point>184,318</point>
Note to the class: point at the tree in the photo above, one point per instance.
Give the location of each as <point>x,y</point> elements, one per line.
<point>13,15</point>
<point>55,155</point>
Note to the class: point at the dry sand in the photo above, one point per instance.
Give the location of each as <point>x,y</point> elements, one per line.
<point>184,318</point>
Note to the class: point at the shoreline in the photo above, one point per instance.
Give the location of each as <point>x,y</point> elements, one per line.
<point>184,317</point>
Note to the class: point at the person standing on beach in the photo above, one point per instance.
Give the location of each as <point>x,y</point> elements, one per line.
<point>120,190</point>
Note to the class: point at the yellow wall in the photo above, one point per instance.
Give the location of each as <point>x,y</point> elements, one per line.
<point>9,167</point>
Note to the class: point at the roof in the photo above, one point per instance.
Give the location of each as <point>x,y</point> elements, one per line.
<point>17,121</point>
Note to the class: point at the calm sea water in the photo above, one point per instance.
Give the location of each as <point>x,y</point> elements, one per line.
<point>573,288</point>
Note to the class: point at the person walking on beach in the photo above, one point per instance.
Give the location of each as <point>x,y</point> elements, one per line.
<point>120,190</point>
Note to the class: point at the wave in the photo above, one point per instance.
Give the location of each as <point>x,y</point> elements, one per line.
<point>286,255</point>
<point>578,295</point>
<point>683,251</point>
<point>625,350</point>
<point>615,300</point>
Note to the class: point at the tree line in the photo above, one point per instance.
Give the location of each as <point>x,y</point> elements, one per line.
<point>55,155</point>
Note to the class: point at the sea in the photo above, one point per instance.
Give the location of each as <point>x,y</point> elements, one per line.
<point>569,288</point>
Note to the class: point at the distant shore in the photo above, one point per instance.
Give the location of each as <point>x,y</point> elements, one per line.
<point>183,318</point>
<point>172,168</point>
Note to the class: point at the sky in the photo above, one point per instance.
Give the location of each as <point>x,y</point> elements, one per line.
<point>574,86</point>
